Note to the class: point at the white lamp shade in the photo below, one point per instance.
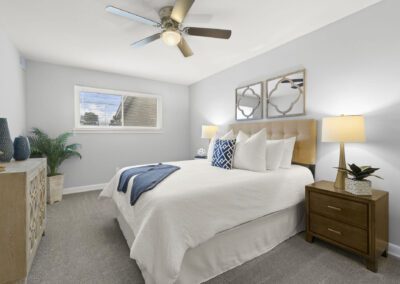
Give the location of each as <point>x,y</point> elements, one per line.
<point>346,129</point>
<point>208,131</point>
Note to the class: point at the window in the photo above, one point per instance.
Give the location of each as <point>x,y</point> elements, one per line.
<point>109,110</point>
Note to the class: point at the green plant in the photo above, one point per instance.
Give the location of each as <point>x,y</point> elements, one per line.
<point>360,173</point>
<point>55,150</point>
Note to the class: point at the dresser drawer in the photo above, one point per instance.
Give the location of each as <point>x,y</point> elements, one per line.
<point>343,210</point>
<point>345,234</point>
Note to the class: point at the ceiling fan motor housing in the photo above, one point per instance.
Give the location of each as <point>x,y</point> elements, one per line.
<point>166,21</point>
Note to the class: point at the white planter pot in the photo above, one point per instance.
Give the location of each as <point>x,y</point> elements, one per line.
<point>55,186</point>
<point>358,187</point>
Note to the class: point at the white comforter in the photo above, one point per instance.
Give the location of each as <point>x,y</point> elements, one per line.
<point>194,204</point>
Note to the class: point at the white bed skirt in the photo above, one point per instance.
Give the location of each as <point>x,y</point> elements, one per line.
<point>233,247</point>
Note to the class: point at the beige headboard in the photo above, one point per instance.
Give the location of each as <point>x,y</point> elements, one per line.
<point>305,130</point>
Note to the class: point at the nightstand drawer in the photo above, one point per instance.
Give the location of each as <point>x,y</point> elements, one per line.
<point>345,234</point>
<point>343,210</point>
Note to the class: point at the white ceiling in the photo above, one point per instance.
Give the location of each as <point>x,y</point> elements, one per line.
<point>80,33</point>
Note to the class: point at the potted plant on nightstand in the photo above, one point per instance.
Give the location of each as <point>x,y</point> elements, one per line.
<point>358,184</point>
<point>56,151</point>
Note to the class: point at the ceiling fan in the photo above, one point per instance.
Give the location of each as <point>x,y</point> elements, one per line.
<point>172,31</point>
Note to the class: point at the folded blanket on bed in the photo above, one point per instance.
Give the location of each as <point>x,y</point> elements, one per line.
<point>146,178</point>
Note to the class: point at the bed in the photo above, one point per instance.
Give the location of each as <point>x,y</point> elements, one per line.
<point>203,220</point>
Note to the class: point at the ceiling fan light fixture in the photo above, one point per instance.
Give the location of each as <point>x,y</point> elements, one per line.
<point>171,37</point>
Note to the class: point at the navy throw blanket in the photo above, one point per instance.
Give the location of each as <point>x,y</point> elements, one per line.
<point>147,178</point>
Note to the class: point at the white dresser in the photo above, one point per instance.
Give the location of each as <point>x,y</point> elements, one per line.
<point>22,216</point>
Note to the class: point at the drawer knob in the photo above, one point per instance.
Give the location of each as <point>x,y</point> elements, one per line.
<point>334,208</point>
<point>334,231</point>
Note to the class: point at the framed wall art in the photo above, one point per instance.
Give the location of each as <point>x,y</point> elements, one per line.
<point>249,102</point>
<point>285,95</point>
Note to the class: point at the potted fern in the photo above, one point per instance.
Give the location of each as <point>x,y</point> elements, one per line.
<point>56,151</point>
<point>358,184</point>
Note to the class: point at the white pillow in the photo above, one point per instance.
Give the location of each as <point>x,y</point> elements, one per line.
<point>250,151</point>
<point>286,161</point>
<point>241,137</point>
<point>274,154</point>
<point>228,136</point>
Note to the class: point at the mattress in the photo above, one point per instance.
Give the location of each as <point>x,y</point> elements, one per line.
<point>196,203</point>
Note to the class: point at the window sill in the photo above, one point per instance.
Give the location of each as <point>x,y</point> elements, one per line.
<point>116,131</point>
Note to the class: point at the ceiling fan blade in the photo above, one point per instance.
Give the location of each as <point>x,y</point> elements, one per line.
<point>185,48</point>
<point>131,16</point>
<point>198,18</point>
<point>146,40</point>
<point>181,8</point>
<point>216,33</point>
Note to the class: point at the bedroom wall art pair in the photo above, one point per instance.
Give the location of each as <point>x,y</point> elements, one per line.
<point>281,96</point>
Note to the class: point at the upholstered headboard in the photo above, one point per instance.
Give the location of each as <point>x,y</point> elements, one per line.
<point>305,130</point>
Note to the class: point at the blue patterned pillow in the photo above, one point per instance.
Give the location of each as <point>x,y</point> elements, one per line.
<point>223,153</point>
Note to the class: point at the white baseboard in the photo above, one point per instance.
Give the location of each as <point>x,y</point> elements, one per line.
<point>85,188</point>
<point>394,250</point>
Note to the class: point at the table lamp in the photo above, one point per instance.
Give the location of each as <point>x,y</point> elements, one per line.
<point>343,129</point>
<point>208,131</point>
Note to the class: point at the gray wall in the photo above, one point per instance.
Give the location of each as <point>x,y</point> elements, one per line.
<point>353,67</point>
<point>12,93</point>
<point>50,106</point>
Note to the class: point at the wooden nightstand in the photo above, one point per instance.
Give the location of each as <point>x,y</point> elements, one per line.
<point>355,223</point>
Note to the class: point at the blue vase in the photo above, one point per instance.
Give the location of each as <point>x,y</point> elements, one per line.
<point>22,148</point>
<point>6,145</point>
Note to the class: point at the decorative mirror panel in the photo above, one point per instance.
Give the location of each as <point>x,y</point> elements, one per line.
<point>249,102</point>
<point>286,95</point>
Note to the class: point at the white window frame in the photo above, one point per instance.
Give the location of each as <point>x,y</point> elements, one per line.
<point>114,129</point>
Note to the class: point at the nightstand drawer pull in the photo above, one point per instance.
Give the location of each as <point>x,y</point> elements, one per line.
<point>334,208</point>
<point>334,231</point>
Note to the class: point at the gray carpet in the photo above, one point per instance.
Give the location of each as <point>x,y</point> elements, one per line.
<point>83,244</point>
